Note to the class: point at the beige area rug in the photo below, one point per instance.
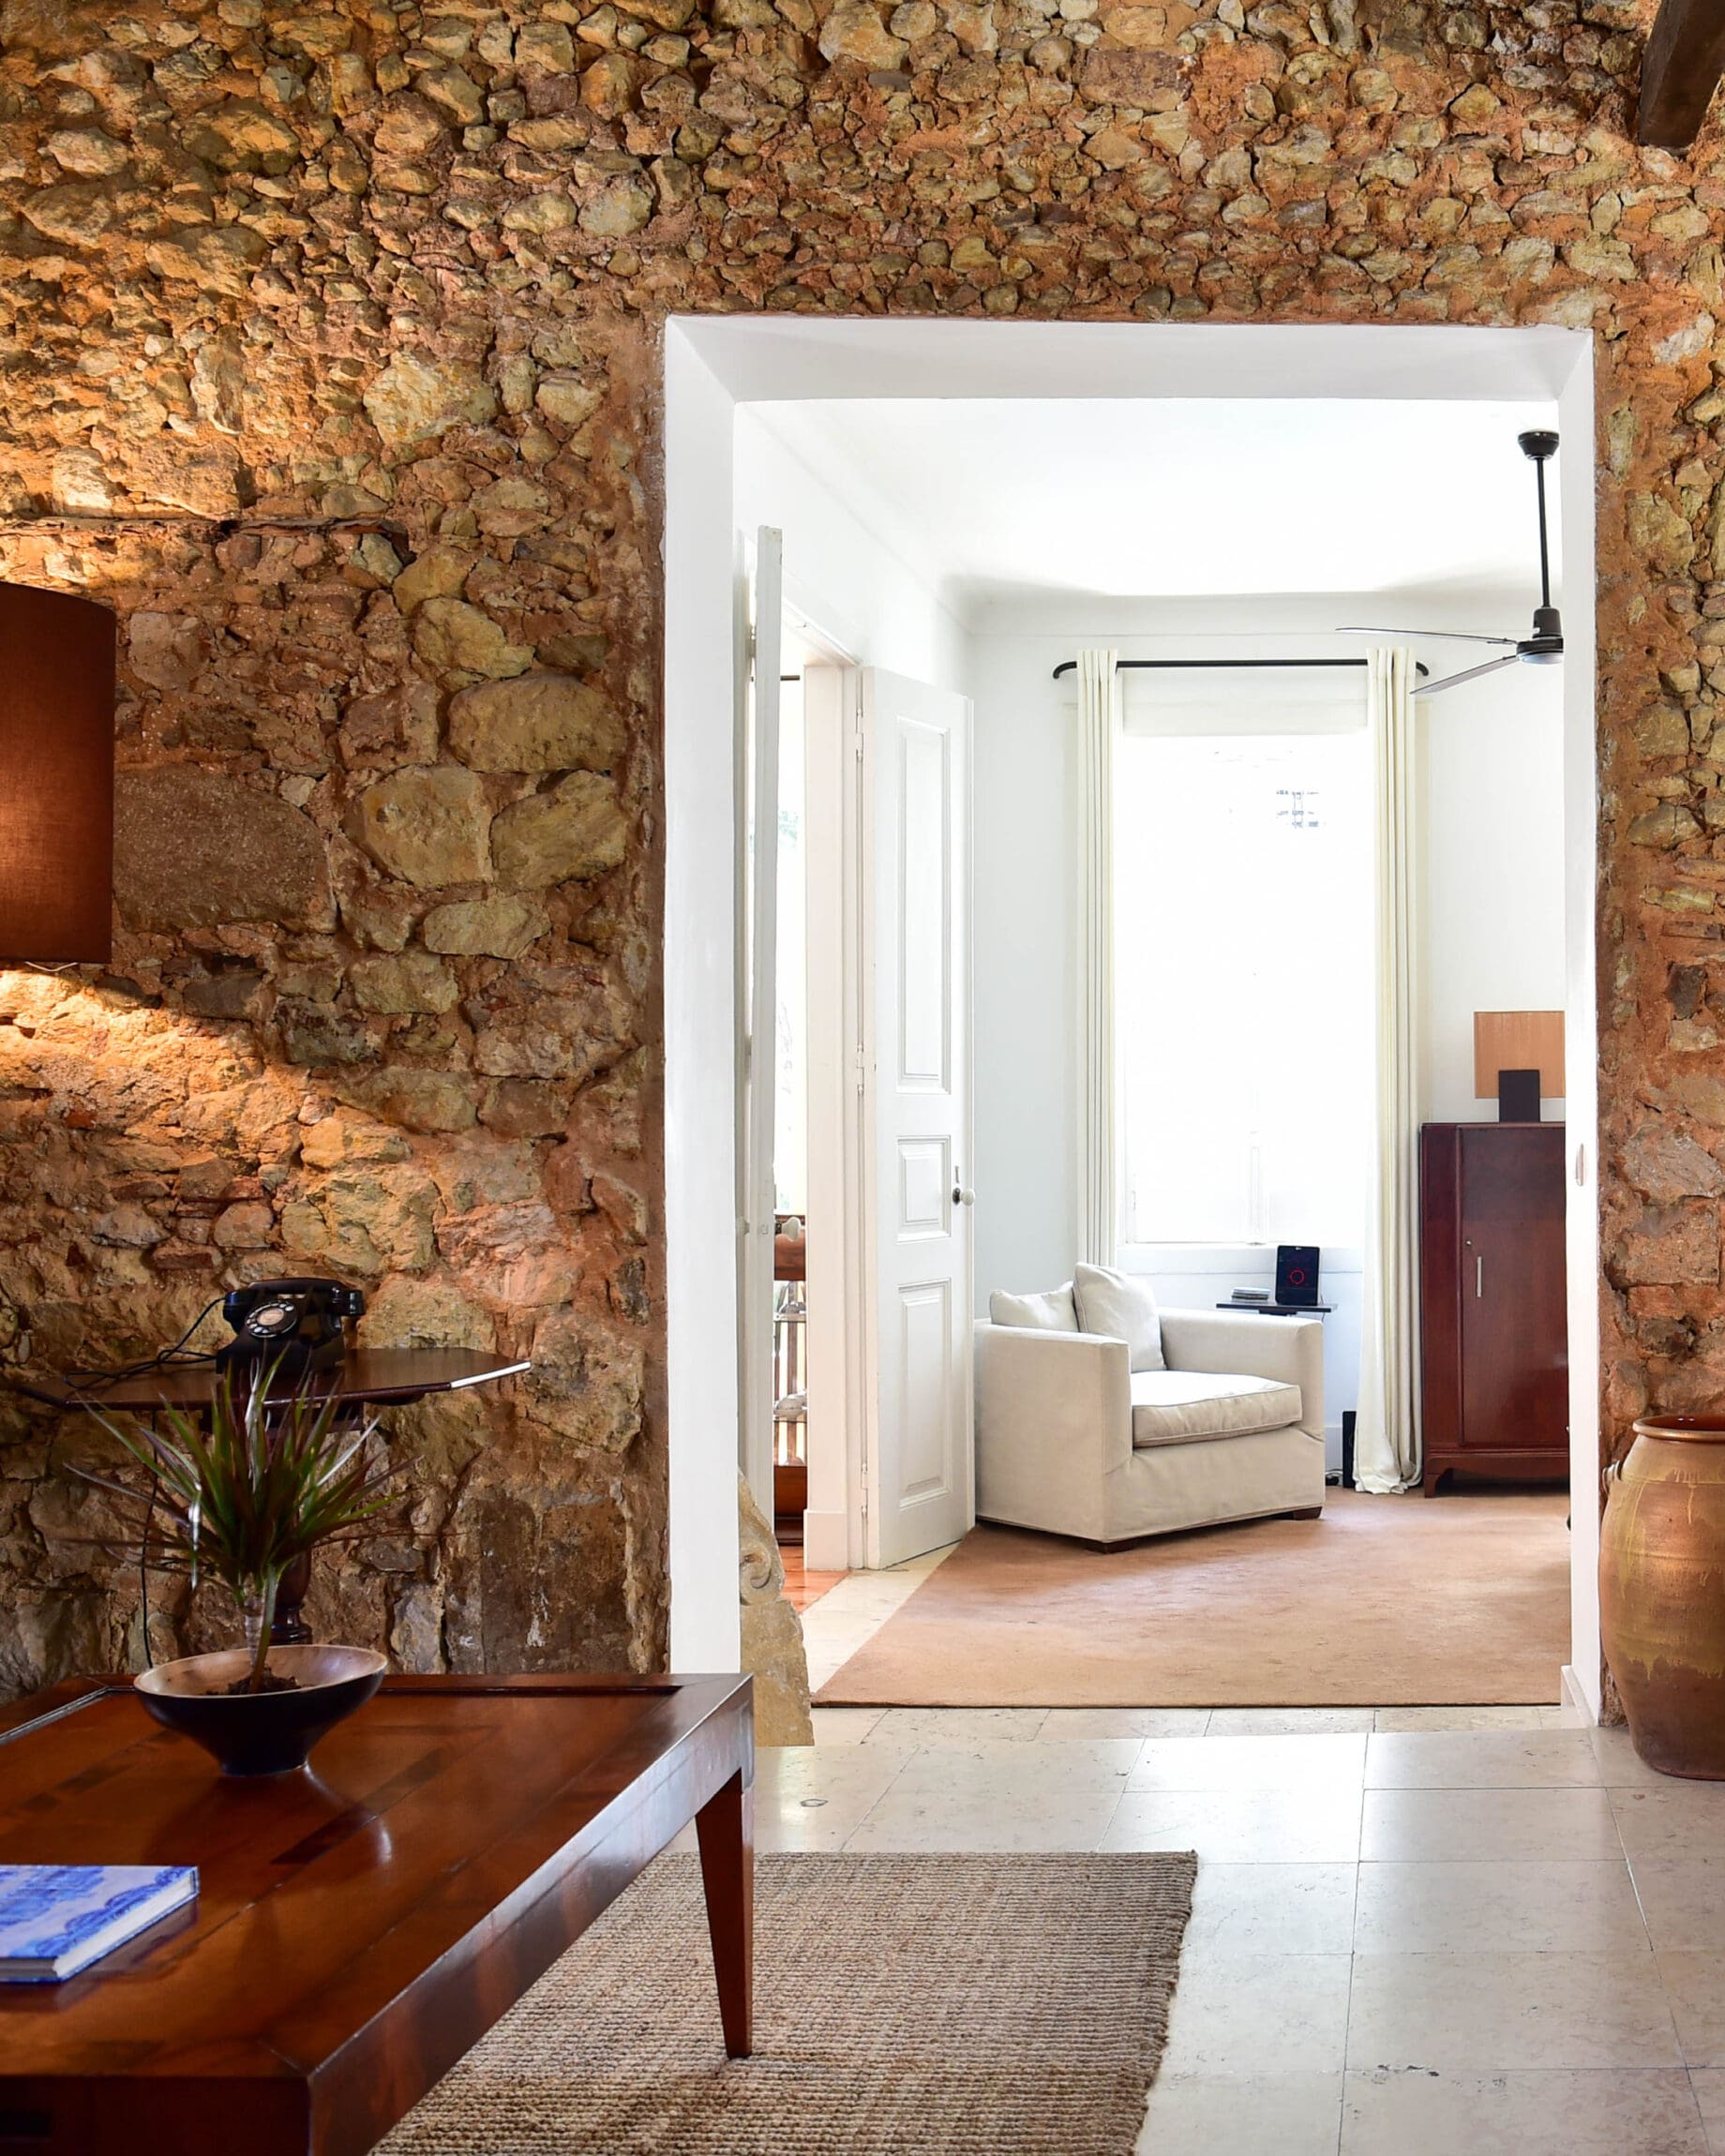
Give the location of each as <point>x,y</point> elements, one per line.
<point>904,2006</point>
<point>1458,1599</point>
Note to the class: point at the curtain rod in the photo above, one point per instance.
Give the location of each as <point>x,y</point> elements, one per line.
<point>1067,665</point>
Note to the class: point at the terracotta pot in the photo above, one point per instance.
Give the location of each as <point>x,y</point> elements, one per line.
<point>1662,1592</point>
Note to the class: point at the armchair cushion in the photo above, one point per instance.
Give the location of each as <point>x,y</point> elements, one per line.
<point>1055,1313</point>
<point>1179,1406</point>
<point>1121,1306</point>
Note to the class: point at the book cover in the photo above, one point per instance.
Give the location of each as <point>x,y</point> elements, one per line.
<point>57,1919</point>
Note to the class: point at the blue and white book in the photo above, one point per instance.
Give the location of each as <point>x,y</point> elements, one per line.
<point>57,1919</point>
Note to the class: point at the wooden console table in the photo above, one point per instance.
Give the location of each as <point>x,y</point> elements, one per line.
<point>364,1377</point>
<point>360,1924</point>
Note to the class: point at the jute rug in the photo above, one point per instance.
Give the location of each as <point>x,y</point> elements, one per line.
<point>1384,1601</point>
<point>904,2006</point>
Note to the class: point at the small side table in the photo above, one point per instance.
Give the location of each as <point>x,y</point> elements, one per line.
<point>364,1377</point>
<point>1281,1310</point>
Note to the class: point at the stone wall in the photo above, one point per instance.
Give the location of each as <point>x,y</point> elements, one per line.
<point>384,996</point>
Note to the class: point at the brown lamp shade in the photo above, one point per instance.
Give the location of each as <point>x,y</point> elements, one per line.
<point>56,777</point>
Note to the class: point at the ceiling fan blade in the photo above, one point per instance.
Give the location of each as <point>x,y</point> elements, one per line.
<point>1449,636</point>
<point>1468,674</point>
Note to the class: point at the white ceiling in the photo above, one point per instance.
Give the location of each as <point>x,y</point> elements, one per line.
<point>1001,498</point>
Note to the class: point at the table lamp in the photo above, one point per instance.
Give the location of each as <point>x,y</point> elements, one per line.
<point>1518,1061</point>
<point>56,777</point>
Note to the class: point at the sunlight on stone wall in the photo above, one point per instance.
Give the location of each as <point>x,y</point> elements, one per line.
<point>384,998</point>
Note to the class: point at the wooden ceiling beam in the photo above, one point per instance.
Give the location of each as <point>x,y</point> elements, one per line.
<point>1680,70</point>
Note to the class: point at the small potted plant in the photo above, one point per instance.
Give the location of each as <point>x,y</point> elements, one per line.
<point>239,1492</point>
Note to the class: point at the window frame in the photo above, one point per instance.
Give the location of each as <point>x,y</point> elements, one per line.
<point>1174,706</point>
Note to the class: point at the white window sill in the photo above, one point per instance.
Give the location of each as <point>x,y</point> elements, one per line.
<point>1227,1258</point>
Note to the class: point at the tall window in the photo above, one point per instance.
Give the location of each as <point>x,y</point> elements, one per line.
<point>1243,985</point>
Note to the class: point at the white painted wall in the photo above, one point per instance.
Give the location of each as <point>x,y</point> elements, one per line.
<point>864,588</point>
<point>1493,786</point>
<point>1492,778</point>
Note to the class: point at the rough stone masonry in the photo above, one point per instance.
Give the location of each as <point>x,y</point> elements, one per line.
<point>384,996</point>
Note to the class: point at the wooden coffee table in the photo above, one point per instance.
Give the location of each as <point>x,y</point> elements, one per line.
<point>361,1924</point>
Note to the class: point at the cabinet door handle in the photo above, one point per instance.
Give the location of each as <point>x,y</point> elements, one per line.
<point>1479,1277</point>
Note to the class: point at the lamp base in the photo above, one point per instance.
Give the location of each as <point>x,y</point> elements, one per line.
<point>1518,1097</point>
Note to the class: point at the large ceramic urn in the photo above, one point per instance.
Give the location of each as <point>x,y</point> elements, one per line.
<point>1662,1591</point>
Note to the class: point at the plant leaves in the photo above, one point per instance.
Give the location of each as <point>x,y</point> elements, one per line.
<point>245,1488</point>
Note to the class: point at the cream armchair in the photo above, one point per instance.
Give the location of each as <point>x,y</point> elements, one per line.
<point>1070,1440</point>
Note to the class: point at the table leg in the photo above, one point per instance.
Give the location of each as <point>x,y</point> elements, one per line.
<point>725,1827</point>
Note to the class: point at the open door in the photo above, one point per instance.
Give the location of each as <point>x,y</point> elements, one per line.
<point>916,968</point>
<point>756,776</point>
<point>890,1265</point>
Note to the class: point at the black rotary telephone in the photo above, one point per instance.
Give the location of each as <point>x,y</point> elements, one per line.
<point>298,1324</point>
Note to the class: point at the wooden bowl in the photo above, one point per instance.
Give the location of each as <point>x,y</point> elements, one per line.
<point>260,1732</point>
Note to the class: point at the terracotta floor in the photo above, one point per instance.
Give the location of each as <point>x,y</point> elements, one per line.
<point>1465,1600</point>
<point>802,1587</point>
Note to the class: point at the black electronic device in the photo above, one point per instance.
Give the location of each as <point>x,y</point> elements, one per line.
<point>1296,1273</point>
<point>1350,1417</point>
<point>296,1325</point>
<point>1518,1097</point>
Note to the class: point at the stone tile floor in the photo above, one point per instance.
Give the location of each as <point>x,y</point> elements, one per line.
<point>1417,1932</point>
<point>1505,1936</point>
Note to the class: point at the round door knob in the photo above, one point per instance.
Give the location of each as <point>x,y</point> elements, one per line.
<point>961,1196</point>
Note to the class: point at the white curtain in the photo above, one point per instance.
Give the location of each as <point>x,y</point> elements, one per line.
<point>1099,1172</point>
<point>1387,1453</point>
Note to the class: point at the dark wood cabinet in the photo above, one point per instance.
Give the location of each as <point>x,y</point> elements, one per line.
<point>1493,1330</point>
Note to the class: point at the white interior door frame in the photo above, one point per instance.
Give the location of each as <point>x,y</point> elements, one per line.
<point>756,915</point>
<point>713,363</point>
<point>841,1347</point>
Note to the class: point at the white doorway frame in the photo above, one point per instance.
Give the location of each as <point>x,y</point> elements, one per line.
<point>840,1258</point>
<point>715,363</point>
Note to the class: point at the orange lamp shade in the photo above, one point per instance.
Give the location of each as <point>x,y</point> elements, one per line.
<point>56,777</point>
<point>1518,1040</point>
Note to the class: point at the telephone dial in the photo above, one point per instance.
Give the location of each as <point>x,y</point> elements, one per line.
<point>298,1324</point>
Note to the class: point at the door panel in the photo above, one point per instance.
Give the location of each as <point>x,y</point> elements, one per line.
<point>1512,1288</point>
<point>925,1376</point>
<point>924,1186</point>
<point>917,1121</point>
<point>924,820</point>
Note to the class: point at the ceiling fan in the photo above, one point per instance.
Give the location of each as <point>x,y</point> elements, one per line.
<point>1544,648</point>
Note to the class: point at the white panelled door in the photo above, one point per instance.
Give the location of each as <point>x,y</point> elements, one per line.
<point>915,766</point>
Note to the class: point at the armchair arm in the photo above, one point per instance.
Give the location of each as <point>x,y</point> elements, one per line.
<point>1053,1422</point>
<point>1242,1343</point>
